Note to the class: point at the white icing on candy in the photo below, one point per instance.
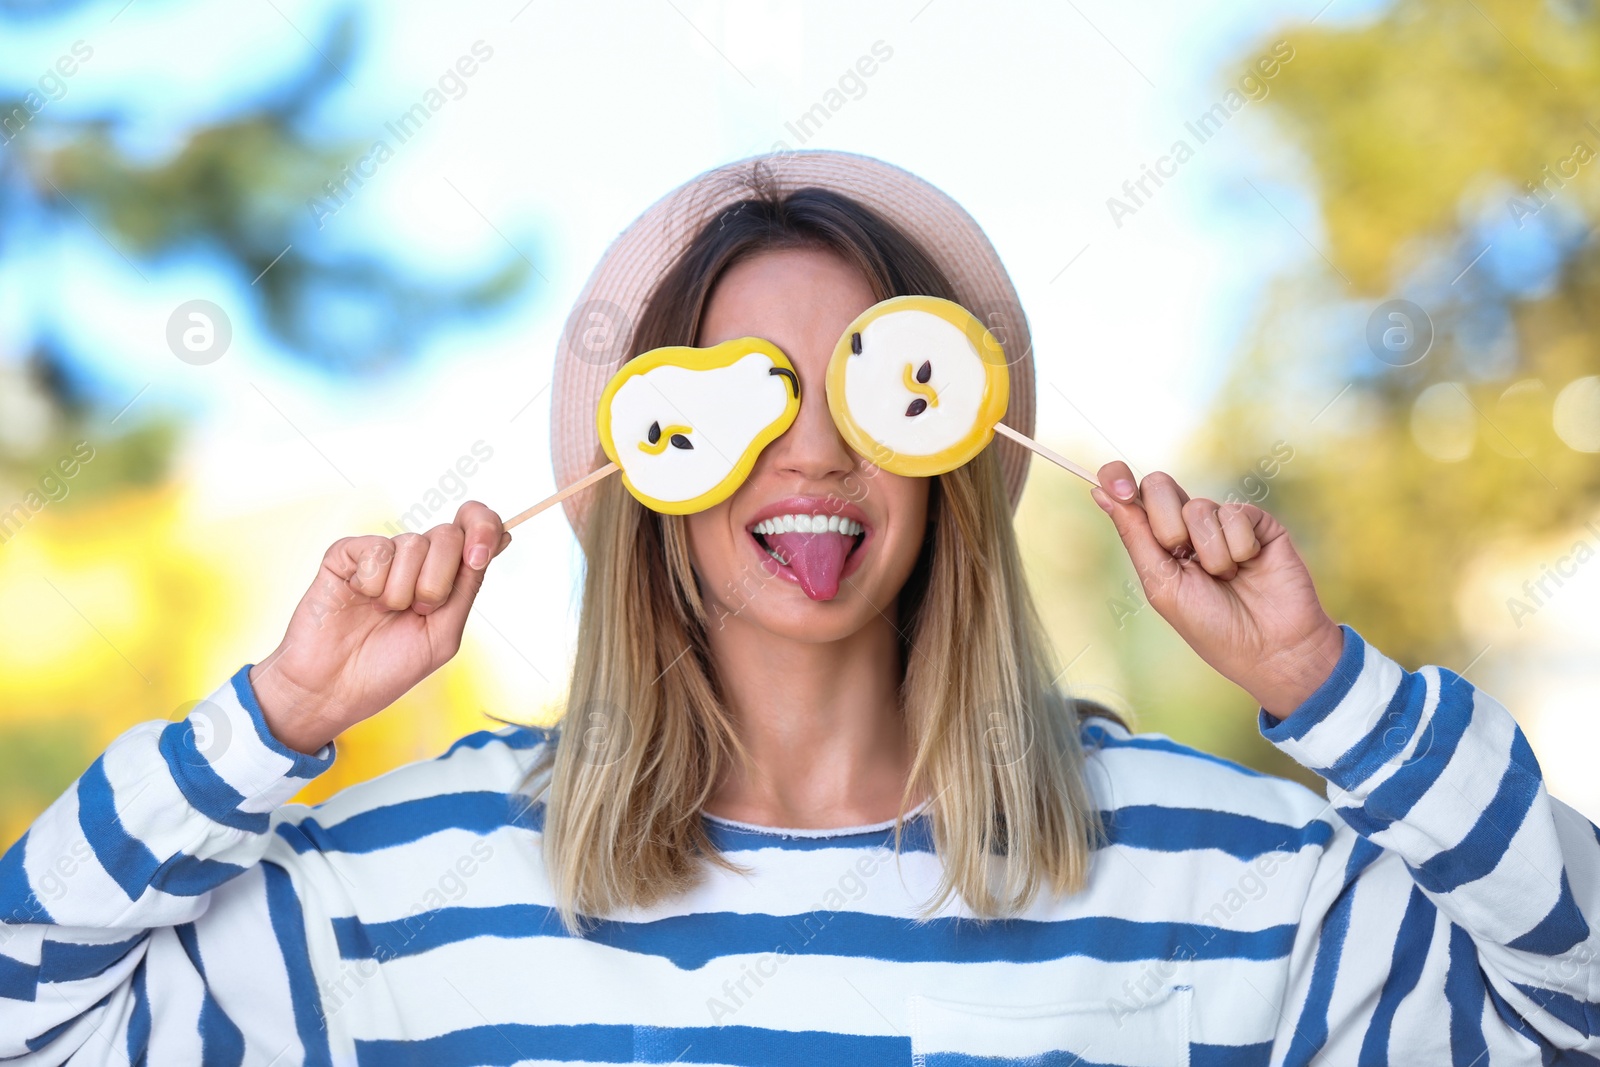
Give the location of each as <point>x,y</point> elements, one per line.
<point>725,408</point>
<point>877,396</point>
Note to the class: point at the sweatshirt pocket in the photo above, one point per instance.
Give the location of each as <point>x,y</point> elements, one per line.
<point>954,1033</point>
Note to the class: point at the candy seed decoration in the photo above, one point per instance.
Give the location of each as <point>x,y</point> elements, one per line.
<point>918,383</point>
<point>673,435</point>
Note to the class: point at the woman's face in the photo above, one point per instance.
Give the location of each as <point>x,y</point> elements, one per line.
<point>831,582</point>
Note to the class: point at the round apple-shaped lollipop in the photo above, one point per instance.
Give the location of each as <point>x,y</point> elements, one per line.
<point>918,386</point>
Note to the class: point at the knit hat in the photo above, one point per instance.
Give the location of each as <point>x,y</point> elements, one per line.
<point>594,343</point>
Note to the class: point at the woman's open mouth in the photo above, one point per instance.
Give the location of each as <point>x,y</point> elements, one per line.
<point>815,551</point>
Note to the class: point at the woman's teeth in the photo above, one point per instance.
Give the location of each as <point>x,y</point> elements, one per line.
<point>778,525</point>
<point>808,524</point>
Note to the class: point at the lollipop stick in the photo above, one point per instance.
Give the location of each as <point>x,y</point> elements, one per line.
<point>1053,457</point>
<point>586,480</point>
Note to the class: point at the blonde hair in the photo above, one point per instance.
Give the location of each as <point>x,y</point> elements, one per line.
<point>648,738</point>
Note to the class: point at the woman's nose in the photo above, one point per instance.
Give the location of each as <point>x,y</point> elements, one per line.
<point>811,446</point>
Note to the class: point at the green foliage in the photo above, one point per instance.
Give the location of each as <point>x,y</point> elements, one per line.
<point>1401,118</point>
<point>240,189</point>
<point>40,759</point>
<point>1419,128</point>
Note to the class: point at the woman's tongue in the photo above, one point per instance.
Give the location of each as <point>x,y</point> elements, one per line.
<point>815,558</point>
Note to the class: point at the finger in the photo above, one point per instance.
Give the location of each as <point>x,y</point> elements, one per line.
<point>1205,534</point>
<point>1239,527</point>
<point>1153,563</point>
<point>452,616</point>
<point>439,569</point>
<point>1163,500</point>
<point>505,539</point>
<point>1118,480</point>
<point>410,549</point>
<point>481,529</point>
<point>361,562</point>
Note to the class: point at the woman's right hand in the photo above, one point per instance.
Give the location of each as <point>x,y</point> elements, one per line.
<point>382,614</point>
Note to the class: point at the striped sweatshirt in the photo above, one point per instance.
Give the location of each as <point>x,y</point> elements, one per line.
<point>1435,907</point>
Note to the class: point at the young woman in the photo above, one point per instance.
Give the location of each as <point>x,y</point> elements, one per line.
<point>813,800</point>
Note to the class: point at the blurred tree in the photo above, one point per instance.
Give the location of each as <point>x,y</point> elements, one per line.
<point>240,188</point>
<point>117,608</point>
<point>1454,152</point>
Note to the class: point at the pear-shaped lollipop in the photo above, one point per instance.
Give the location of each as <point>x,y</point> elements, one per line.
<point>685,425</point>
<point>916,384</point>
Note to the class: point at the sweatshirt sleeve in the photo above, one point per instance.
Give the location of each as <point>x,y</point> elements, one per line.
<point>137,907</point>
<point>1451,919</point>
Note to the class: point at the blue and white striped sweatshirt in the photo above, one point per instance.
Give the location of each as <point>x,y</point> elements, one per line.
<point>174,908</point>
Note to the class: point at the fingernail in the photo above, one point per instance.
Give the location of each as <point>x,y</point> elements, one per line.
<point>1100,498</point>
<point>477,556</point>
<point>1123,488</point>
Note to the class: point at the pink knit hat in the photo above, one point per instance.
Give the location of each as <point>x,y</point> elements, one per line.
<point>595,342</point>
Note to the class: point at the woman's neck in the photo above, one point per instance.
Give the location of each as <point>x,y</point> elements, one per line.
<point>822,722</point>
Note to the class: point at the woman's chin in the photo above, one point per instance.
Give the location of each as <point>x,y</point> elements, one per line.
<point>811,622</point>
<point>772,598</point>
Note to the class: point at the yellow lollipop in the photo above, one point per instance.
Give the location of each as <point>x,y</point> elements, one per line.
<point>686,424</point>
<point>917,385</point>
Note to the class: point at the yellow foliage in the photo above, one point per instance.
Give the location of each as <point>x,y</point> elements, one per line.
<point>131,606</point>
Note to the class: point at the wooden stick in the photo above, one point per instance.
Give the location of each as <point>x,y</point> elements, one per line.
<point>1000,428</point>
<point>587,480</point>
<point>1053,457</point>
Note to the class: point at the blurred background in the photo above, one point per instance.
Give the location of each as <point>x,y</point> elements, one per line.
<point>276,272</point>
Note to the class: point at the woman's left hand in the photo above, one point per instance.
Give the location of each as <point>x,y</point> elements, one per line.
<point>1228,579</point>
